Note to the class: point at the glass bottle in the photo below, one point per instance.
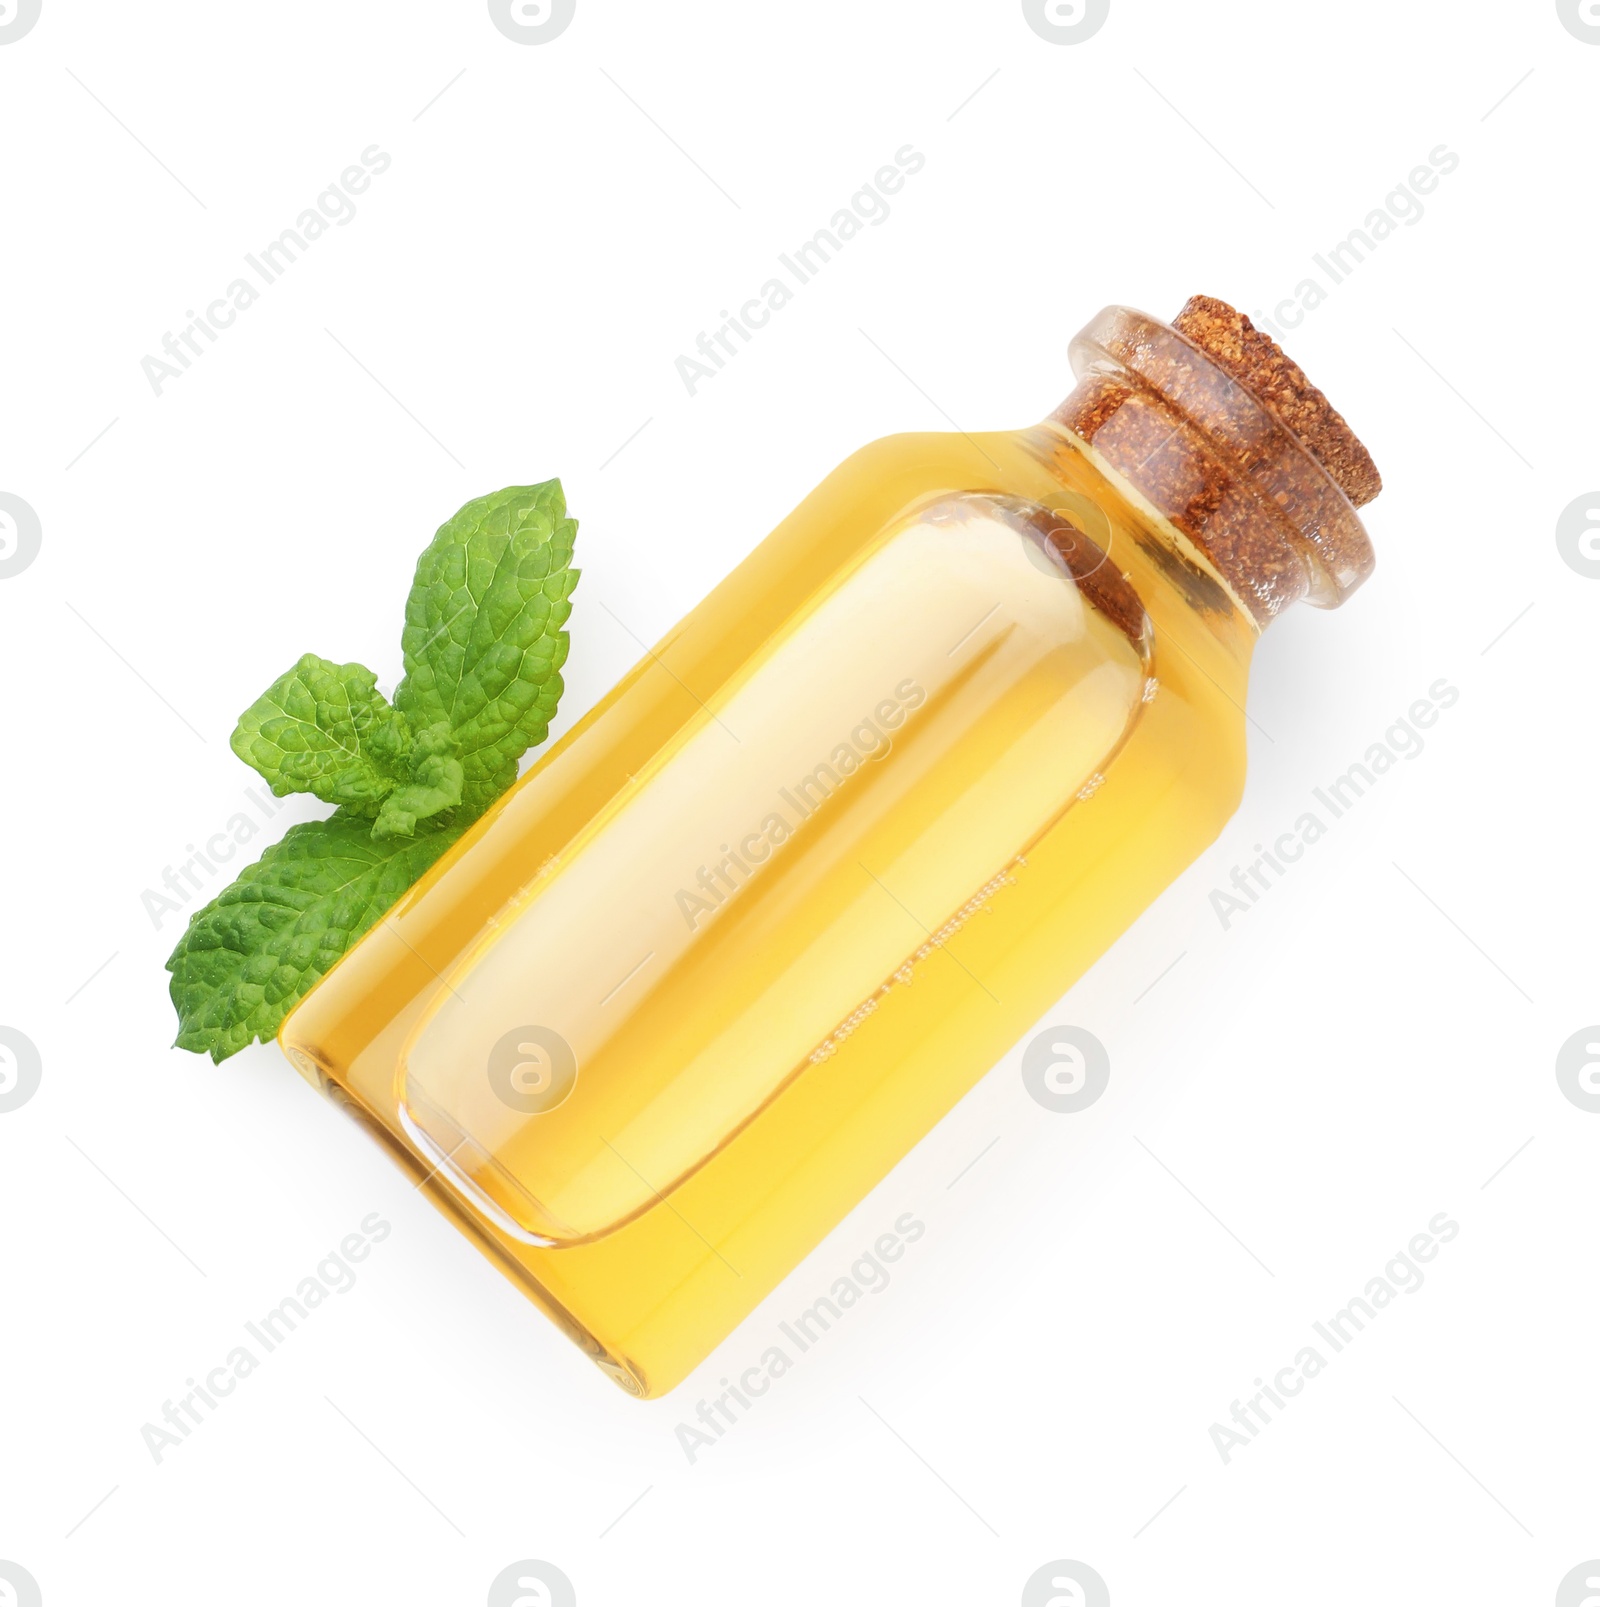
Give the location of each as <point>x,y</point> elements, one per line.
<point>729,949</point>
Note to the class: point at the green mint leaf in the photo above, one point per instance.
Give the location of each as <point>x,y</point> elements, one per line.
<point>483,642</point>
<point>324,728</point>
<point>255,951</point>
<point>435,785</point>
<point>483,648</point>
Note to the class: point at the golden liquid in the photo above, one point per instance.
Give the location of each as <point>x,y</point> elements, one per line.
<point>804,876</point>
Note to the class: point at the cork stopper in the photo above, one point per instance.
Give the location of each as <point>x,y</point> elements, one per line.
<point>1261,366</point>
<point>1226,439</point>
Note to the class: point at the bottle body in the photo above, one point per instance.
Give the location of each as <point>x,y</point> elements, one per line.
<point>733,945</point>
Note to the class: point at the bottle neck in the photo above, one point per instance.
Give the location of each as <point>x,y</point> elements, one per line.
<point>1225,438</point>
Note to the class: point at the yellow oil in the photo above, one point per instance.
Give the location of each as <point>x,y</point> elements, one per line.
<point>820,859</point>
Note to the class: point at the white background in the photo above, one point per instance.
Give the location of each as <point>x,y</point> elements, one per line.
<point>1370,1045</point>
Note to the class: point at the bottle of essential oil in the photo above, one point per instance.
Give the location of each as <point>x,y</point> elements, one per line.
<point>718,960</point>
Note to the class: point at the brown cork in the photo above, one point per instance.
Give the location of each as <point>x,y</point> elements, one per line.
<point>1229,441</point>
<point>1260,365</point>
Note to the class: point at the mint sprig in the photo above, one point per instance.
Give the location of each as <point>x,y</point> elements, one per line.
<point>326,729</point>
<point>481,639</point>
<point>483,647</point>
